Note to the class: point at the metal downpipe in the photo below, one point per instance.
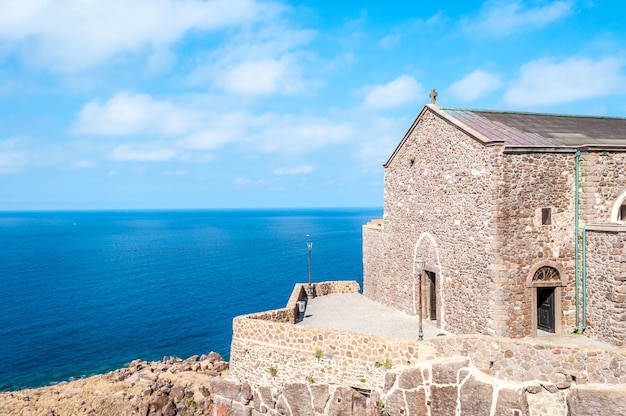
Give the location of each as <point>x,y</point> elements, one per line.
<point>576,265</point>
<point>584,280</point>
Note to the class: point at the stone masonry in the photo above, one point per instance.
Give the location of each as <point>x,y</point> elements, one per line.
<point>486,216</point>
<point>278,368</point>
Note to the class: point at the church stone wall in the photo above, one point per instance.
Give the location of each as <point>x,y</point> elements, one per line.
<point>532,182</point>
<point>439,189</point>
<point>606,286</point>
<point>373,259</point>
<point>602,182</point>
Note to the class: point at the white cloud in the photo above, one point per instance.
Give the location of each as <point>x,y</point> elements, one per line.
<point>75,35</point>
<point>296,170</point>
<point>84,164</point>
<point>265,61</point>
<point>130,113</point>
<point>296,135</point>
<point>501,18</point>
<point>263,77</point>
<point>241,181</point>
<point>12,160</point>
<point>545,82</point>
<point>475,85</point>
<point>125,152</point>
<point>401,91</point>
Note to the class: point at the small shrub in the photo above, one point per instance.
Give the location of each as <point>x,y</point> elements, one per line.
<point>318,353</point>
<point>310,379</point>
<point>273,371</point>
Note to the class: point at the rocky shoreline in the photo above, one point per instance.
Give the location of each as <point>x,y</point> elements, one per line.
<point>169,387</point>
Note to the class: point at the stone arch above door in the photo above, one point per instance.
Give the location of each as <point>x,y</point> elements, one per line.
<point>546,274</point>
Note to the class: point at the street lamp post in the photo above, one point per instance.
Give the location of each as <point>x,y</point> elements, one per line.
<point>419,268</point>
<point>309,247</point>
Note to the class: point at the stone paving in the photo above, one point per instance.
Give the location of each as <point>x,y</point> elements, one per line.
<point>354,312</point>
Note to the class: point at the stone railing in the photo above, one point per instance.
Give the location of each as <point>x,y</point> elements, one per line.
<point>289,314</point>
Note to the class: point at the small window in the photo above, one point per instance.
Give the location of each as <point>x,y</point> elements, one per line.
<point>621,215</point>
<point>546,216</point>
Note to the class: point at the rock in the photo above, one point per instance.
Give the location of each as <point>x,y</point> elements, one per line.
<point>475,397</point>
<point>169,409</point>
<point>177,393</point>
<point>299,398</point>
<point>597,400</point>
<point>442,399</point>
<point>446,372</point>
<point>410,378</point>
<point>341,402</point>
<point>511,400</point>
<point>416,402</point>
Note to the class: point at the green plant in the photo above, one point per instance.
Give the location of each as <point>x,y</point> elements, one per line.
<point>190,401</point>
<point>273,371</point>
<point>318,353</point>
<point>387,364</point>
<point>362,380</point>
<point>381,405</point>
<point>310,379</point>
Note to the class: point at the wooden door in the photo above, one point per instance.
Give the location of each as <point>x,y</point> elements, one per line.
<point>432,295</point>
<point>545,309</point>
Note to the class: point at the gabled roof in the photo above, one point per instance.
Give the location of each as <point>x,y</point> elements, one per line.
<point>544,130</point>
<point>531,131</point>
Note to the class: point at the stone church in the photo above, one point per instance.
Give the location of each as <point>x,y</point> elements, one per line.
<point>519,221</point>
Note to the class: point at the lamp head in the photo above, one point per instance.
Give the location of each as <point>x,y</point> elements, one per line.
<point>420,263</point>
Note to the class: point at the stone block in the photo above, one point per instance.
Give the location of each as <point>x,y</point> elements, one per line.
<point>409,378</point>
<point>446,373</point>
<point>341,402</point>
<point>443,399</point>
<point>475,397</point>
<point>395,403</point>
<point>229,389</point>
<point>597,400</point>
<point>320,394</point>
<point>416,402</point>
<point>299,398</point>
<point>510,400</point>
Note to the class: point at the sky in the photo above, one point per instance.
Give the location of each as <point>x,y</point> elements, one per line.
<point>203,104</point>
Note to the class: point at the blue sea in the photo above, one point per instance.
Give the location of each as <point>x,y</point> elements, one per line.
<point>83,293</point>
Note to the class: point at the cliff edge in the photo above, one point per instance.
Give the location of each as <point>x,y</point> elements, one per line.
<point>163,388</point>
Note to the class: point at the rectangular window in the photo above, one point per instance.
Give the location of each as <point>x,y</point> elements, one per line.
<point>546,216</point>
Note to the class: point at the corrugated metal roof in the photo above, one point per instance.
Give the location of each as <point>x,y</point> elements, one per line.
<point>543,130</point>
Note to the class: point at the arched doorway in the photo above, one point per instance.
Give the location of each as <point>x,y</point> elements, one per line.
<point>545,281</point>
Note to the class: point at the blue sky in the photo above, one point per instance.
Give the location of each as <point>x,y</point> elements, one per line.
<point>116,104</point>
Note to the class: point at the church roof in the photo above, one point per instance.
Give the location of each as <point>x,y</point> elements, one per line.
<point>543,130</point>
<point>531,132</point>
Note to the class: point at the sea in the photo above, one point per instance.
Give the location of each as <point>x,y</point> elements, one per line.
<point>87,292</point>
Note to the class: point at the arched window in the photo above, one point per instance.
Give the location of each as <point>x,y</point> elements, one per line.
<point>546,276</point>
<point>619,210</point>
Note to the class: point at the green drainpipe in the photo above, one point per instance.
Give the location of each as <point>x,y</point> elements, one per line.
<point>576,294</point>
<point>584,250</point>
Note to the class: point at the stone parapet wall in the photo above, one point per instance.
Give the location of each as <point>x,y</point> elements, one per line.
<point>289,314</point>
<point>606,286</point>
<point>278,368</point>
<point>343,357</point>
